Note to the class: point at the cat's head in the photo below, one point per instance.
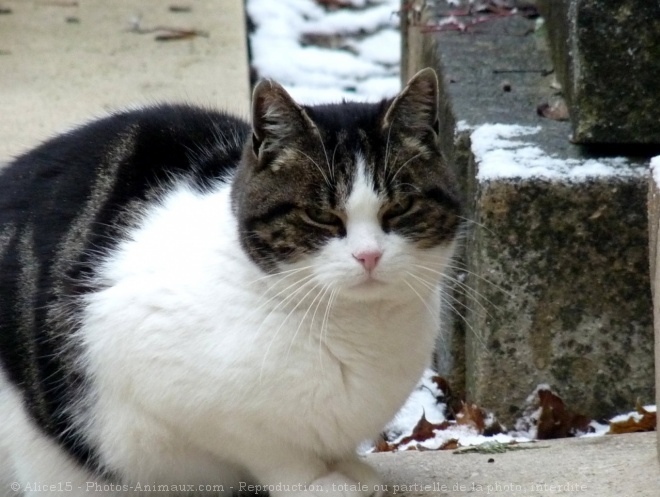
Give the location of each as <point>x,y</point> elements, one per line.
<point>356,192</point>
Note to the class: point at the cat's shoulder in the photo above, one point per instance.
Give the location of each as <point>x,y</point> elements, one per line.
<point>120,157</point>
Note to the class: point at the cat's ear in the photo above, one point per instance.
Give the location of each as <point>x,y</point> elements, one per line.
<point>276,118</point>
<point>415,109</point>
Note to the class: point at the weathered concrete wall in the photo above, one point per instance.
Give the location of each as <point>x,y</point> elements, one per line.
<point>607,57</point>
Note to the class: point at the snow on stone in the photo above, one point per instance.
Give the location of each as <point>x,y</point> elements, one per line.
<point>314,74</point>
<point>501,152</point>
<point>655,170</point>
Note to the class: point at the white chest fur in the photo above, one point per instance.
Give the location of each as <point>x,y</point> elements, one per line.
<point>196,354</point>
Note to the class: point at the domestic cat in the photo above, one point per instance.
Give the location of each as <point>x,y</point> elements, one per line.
<point>193,304</point>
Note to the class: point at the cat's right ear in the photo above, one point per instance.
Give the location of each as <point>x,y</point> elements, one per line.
<point>415,109</point>
<point>276,119</point>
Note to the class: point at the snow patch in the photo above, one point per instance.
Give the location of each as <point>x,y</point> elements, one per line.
<point>502,152</point>
<point>655,170</point>
<point>422,402</point>
<point>634,415</point>
<point>312,74</point>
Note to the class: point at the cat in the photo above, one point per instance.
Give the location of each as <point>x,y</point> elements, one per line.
<point>193,304</point>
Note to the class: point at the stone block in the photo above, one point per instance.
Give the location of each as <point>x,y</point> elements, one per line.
<point>558,278</point>
<point>607,57</point>
<point>654,263</point>
<point>556,282</point>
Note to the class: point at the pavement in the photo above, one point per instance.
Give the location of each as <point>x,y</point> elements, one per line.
<point>64,62</point>
<point>604,466</point>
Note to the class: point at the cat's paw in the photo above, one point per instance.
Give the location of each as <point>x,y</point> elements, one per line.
<point>359,471</point>
<point>362,482</point>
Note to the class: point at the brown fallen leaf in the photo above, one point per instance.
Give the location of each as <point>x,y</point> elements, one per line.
<point>383,446</point>
<point>557,110</point>
<point>556,421</point>
<point>451,444</point>
<point>472,415</point>
<point>632,425</point>
<point>334,4</point>
<point>424,430</point>
<point>454,403</point>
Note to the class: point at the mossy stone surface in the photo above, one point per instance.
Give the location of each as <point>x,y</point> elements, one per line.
<point>561,294</point>
<point>607,57</point>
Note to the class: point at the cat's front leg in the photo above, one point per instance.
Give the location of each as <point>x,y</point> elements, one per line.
<point>349,478</point>
<point>315,478</point>
<point>360,472</point>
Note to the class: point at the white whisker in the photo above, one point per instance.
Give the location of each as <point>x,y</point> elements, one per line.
<point>302,320</point>
<point>317,167</point>
<point>280,304</point>
<point>436,319</point>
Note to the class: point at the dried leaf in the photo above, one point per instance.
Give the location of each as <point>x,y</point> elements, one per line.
<point>423,430</point>
<point>454,403</point>
<point>383,446</point>
<point>179,34</point>
<point>180,8</point>
<point>334,4</point>
<point>632,425</point>
<point>556,421</point>
<point>442,384</point>
<point>472,415</point>
<point>557,110</point>
<point>451,444</point>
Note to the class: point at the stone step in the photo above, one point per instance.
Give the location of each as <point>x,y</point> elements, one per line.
<point>607,57</point>
<point>556,243</point>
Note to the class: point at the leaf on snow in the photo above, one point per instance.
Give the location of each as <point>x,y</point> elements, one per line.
<point>633,424</point>
<point>451,444</point>
<point>472,415</point>
<point>556,421</point>
<point>454,403</point>
<point>383,446</point>
<point>424,430</point>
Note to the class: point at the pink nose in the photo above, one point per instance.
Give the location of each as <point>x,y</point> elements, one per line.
<point>368,258</point>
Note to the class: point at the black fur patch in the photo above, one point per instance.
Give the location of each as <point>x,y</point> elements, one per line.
<point>64,203</point>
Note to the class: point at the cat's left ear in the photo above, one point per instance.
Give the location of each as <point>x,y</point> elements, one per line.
<point>276,119</point>
<point>415,109</point>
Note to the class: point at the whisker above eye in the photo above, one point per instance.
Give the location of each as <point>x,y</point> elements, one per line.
<point>391,181</point>
<point>325,177</point>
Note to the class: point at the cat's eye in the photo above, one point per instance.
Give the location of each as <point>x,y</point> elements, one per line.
<point>323,216</point>
<point>398,208</point>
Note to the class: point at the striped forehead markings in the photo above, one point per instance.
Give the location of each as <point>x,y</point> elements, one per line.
<point>363,202</point>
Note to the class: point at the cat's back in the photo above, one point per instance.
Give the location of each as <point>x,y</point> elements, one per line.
<point>71,201</point>
<point>119,158</point>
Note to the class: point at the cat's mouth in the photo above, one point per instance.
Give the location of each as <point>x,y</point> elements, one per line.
<point>369,281</point>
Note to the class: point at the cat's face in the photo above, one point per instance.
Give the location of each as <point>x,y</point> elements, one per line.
<point>357,194</point>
